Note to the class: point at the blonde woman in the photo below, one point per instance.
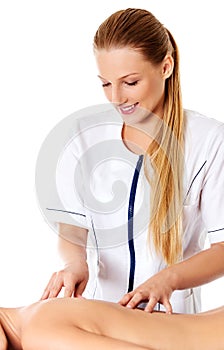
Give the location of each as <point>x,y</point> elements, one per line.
<point>74,323</point>
<point>146,251</point>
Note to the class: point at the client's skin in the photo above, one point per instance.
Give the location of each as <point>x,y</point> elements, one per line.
<point>75,323</point>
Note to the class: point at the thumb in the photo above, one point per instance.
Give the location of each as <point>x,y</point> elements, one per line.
<point>80,288</point>
<point>80,296</point>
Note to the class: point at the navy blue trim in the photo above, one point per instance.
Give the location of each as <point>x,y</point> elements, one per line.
<point>130,223</point>
<point>65,211</point>
<point>220,229</point>
<point>195,178</point>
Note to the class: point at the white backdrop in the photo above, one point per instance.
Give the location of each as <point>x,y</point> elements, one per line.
<point>47,71</point>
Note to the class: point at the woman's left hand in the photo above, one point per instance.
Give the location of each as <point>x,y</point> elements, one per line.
<point>157,289</point>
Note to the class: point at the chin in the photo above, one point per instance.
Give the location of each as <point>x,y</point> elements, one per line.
<point>136,117</point>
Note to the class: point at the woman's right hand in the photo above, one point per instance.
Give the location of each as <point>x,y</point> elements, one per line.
<point>73,278</point>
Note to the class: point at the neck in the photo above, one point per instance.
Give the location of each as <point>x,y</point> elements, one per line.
<point>139,136</point>
<point>11,327</point>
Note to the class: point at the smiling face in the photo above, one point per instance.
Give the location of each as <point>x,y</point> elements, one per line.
<point>133,83</point>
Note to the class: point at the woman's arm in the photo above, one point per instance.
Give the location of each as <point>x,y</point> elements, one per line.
<point>74,276</point>
<point>201,268</point>
<point>72,242</point>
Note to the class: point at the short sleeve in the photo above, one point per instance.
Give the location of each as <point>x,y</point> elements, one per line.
<point>212,195</point>
<point>63,167</point>
<point>70,208</point>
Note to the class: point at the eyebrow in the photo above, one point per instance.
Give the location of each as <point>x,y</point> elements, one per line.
<point>125,76</point>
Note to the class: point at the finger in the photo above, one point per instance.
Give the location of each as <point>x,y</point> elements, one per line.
<point>46,292</point>
<point>54,293</point>
<point>151,304</point>
<point>135,300</point>
<point>68,292</point>
<point>168,306</point>
<point>126,298</point>
<point>55,290</point>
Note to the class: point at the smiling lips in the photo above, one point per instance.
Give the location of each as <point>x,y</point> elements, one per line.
<point>127,109</point>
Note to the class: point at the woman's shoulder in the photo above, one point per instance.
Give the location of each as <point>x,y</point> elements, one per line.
<point>202,128</point>
<point>200,121</point>
<point>204,137</point>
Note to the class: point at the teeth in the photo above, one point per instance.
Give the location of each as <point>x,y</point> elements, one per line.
<point>129,108</point>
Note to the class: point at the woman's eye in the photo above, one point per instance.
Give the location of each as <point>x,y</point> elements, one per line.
<point>105,84</point>
<point>132,83</point>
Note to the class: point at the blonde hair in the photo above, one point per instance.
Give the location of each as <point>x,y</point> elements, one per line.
<point>139,29</point>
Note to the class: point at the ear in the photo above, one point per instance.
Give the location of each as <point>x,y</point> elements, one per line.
<point>167,66</point>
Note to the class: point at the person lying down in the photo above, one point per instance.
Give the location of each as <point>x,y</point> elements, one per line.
<point>77,323</point>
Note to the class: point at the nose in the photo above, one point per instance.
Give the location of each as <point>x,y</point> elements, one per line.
<point>117,96</point>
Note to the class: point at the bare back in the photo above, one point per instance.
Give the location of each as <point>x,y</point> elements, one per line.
<point>64,320</point>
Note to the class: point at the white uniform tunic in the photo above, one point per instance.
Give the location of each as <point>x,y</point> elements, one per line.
<point>94,178</point>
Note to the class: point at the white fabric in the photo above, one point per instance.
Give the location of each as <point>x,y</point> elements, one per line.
<point>100,189</point>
